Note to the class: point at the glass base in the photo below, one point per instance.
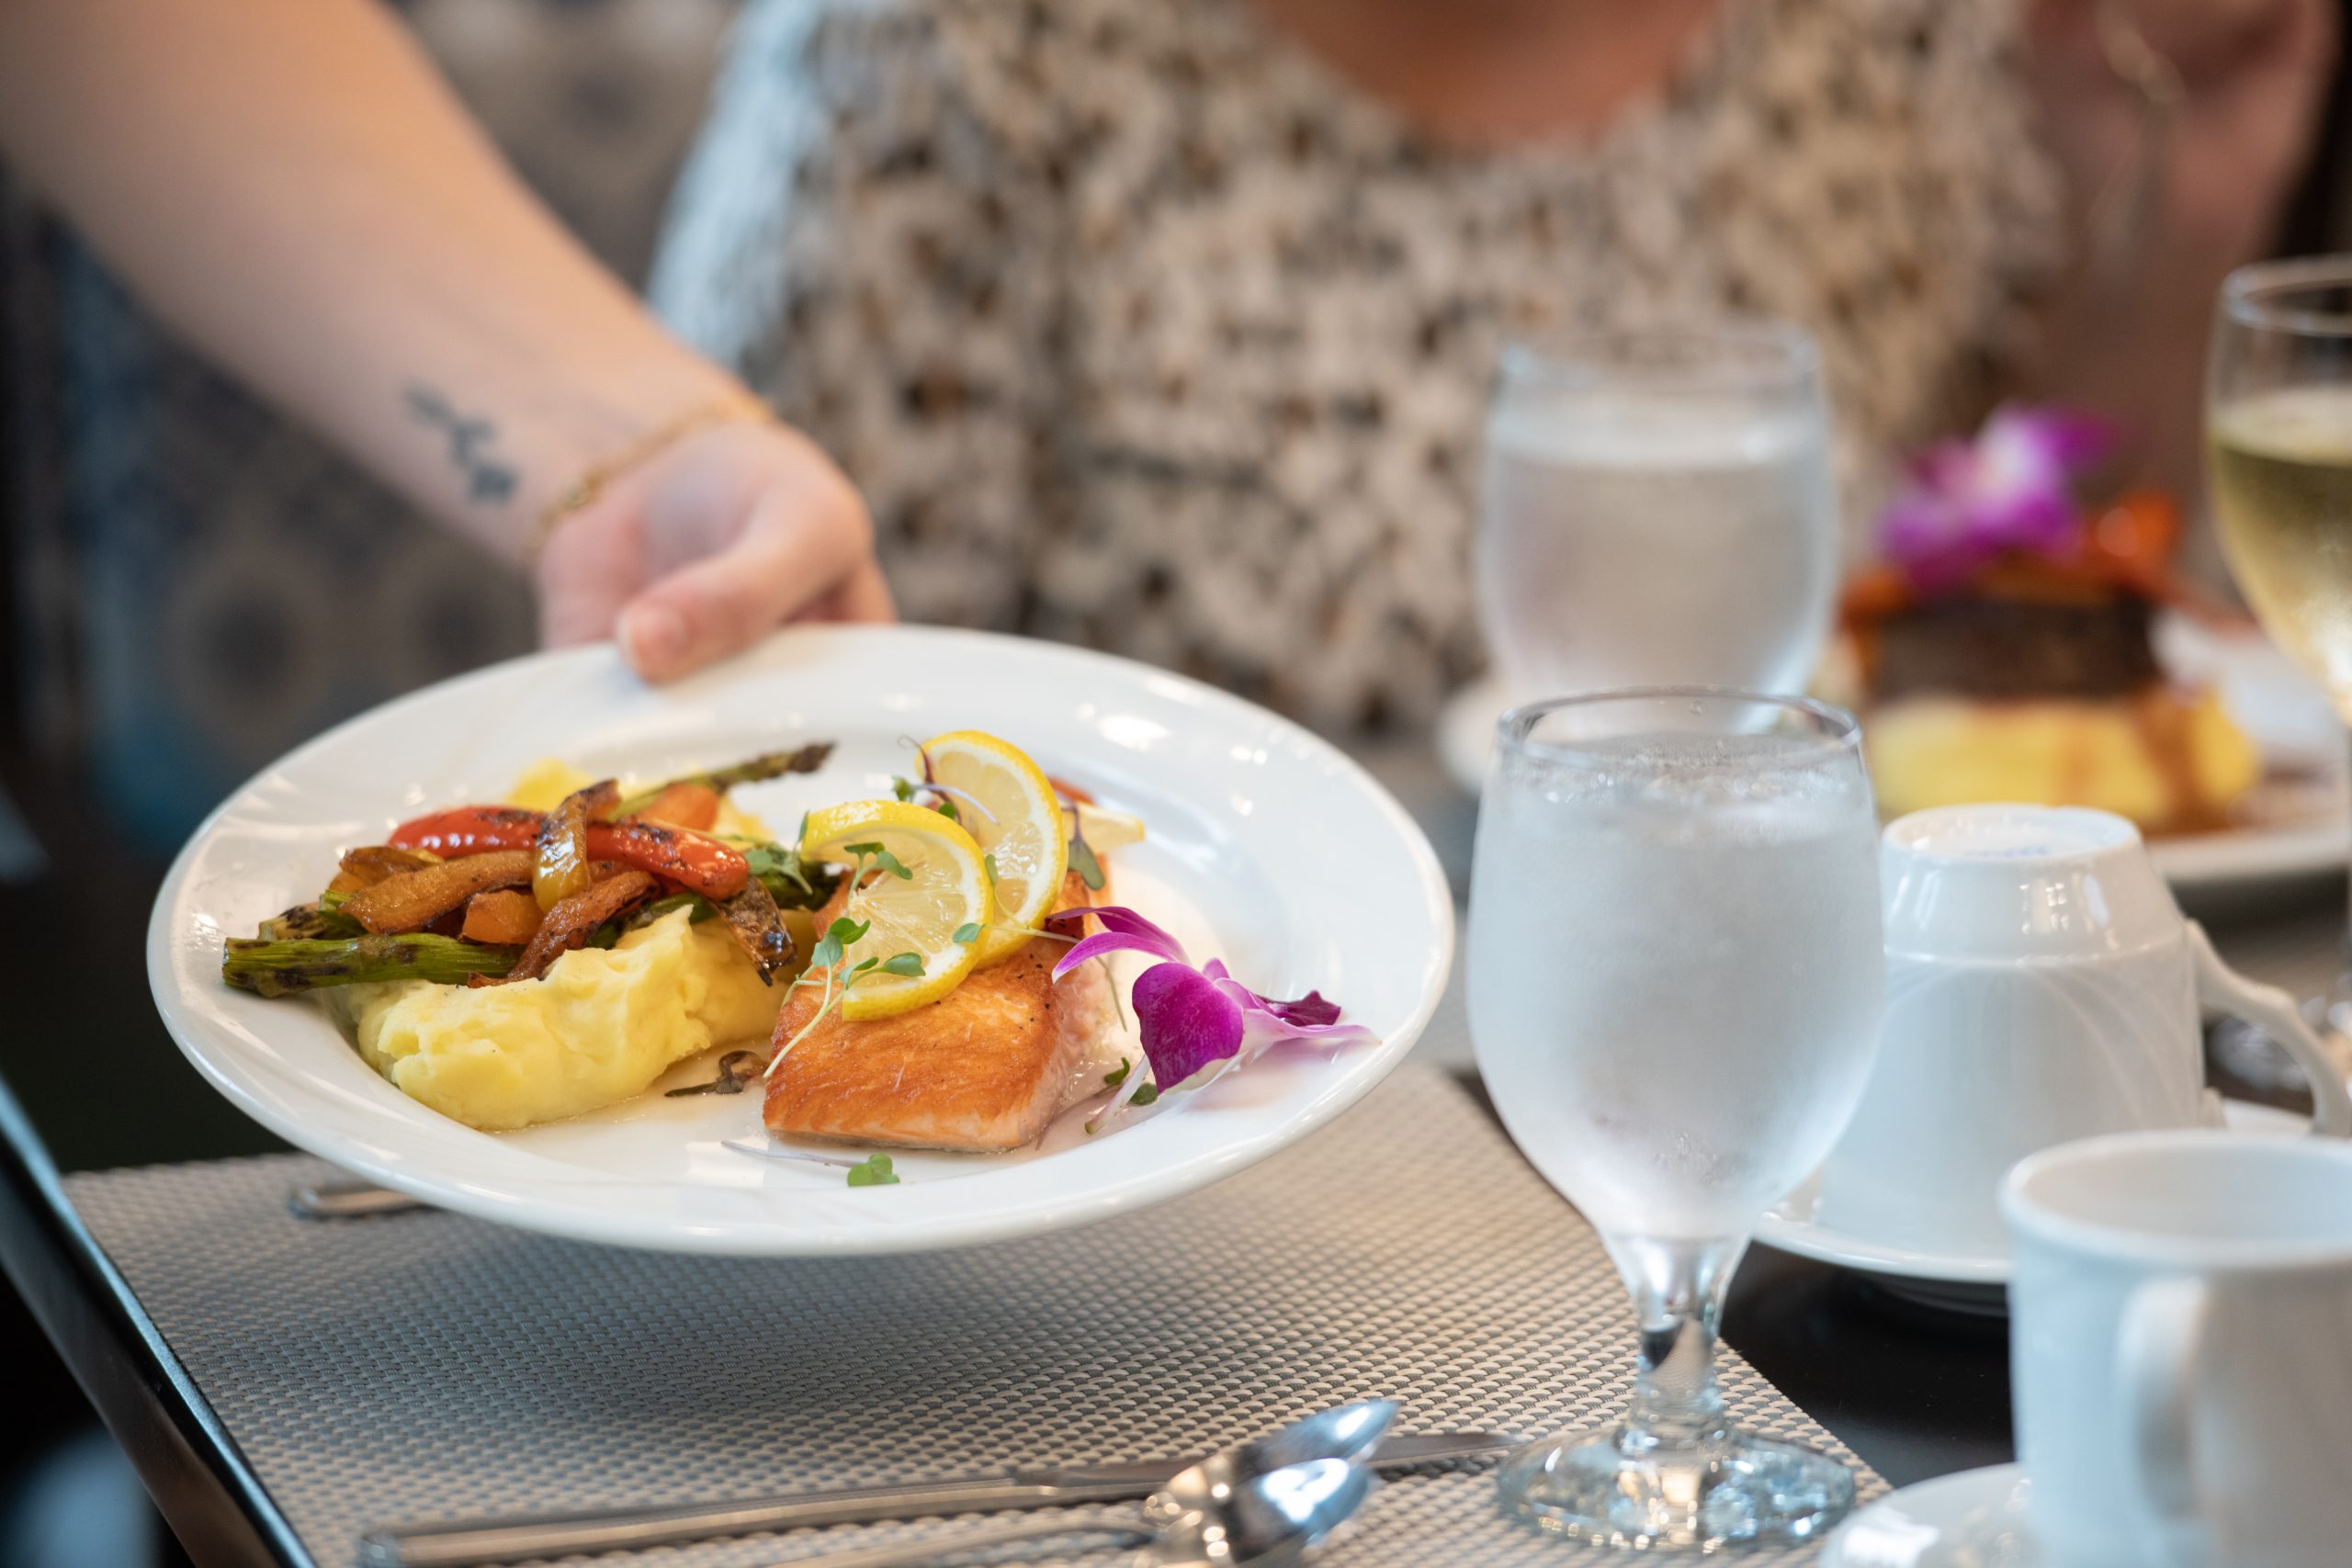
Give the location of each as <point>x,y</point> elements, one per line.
<point>1732,1490</point>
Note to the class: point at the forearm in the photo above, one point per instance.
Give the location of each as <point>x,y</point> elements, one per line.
<point>2170,199</point>
<point>290,186</point>
<point>2132,348</point>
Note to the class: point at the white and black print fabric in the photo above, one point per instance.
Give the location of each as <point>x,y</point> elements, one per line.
<point>1142,328</point>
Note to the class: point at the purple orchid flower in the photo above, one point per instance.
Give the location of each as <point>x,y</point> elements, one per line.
<point>1967,503</point>
<point>1197,1023</point>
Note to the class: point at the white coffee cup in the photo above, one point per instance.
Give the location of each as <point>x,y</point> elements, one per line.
<point>2181,1349</point>
<point>2041,986</point>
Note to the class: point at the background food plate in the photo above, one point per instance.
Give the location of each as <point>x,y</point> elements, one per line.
<point>2298,820</point>
<point>1268,847</point>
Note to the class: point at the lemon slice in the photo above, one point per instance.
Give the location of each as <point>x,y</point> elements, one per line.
<point>945,889</point>
<point>1010,805</point>
<point>1106,831</point>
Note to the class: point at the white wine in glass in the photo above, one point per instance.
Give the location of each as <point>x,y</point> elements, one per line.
<point>2279,429</point>
<point>2281,464</point>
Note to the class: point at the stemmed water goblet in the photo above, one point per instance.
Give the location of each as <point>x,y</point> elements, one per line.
<point>1674,983</point>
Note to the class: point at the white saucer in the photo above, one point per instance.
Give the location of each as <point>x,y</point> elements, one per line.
<point>1952,1280</point>
<point>1973,1520</point>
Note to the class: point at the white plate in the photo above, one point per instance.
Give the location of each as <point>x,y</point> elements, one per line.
<point>1958,1281</point>
<point>1973,1520</point>
<point>2302,812</point>
<point>1268,847</point>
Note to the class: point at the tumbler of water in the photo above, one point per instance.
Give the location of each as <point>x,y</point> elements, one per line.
<point>1657,506</point>
<point>1674,985</point>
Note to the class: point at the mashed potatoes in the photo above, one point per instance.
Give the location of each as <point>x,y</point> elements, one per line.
<point>601,1027</point>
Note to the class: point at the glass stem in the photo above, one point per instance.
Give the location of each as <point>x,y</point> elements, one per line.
<point>2338,1004</point>
<point>1678,1289</point>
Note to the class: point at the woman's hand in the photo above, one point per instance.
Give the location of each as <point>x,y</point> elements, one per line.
<point>2251,72</point>
<point>709,544</point>
<point>2164,216</point>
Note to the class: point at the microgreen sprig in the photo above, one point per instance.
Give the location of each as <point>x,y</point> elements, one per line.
<point>789,880</point>
<point>881,857</point>
<point>1144,1093</point>
<point>829,966</point>
<point>873,1170</point>
<point>945,798</point>
<point>1081,853</point>
<point>970,931</point>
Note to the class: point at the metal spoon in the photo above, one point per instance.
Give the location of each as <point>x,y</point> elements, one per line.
<point>1265,1521</point>
<point>1333,1434</point>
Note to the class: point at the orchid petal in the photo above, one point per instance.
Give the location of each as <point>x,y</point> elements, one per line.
<point>2066,439</point>
<point>1966,503</point>
<point>1311,1010</point>
<point>1124,932</point>
<point>1262,1030</point>
<point>1189,1024</point>
<point>1270,1022</point>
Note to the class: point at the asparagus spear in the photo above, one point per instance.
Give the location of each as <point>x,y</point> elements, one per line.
<point>285,968</point>
<point>752,770</point>
<point>792,884</point>
<point>310,921</point>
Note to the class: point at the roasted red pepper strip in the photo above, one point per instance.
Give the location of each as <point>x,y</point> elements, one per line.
<point>709,867</point>
<point>470,830</point>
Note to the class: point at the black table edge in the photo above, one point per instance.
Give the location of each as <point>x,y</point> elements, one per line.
<point>184,1455</point>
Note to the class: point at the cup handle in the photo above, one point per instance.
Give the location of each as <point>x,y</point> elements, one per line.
<point>2224,989</point>
<point>2156,1355</point>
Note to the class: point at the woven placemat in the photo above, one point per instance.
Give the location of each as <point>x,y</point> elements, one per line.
<point>424,1366</point>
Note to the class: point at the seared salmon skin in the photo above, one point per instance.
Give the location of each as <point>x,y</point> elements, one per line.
<point>982,1069</point>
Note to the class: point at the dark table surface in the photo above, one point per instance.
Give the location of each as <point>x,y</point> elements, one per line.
<point>1916,1392</point>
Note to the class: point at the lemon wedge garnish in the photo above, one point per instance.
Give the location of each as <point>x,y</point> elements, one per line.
<point>945,889</point>
<point>1105,831</point>
<point>1014,816</point>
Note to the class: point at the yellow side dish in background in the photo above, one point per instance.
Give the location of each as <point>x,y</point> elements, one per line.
<point>2159,768</point>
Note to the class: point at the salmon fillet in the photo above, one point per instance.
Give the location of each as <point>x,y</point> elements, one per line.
<point>982,1069</point>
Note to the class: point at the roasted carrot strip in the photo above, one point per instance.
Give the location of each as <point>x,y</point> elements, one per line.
<point>572,921</point>
<point>507,916</point>
<point>686,804</point>
<point>414,899</point>
<point>371,863</point>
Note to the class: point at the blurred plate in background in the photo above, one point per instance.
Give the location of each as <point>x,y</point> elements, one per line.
<point>2298,820</point>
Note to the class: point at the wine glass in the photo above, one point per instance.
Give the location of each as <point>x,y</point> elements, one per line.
<point>1674,984</point>
<point>2278,434</point>
<point>1657,506</point>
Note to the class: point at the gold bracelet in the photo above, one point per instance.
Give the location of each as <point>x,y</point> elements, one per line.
<point>591,484</point>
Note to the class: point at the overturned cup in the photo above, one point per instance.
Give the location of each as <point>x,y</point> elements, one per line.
<point>2041,986</point>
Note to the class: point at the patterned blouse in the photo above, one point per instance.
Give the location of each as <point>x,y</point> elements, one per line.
<point>1141,327</point>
